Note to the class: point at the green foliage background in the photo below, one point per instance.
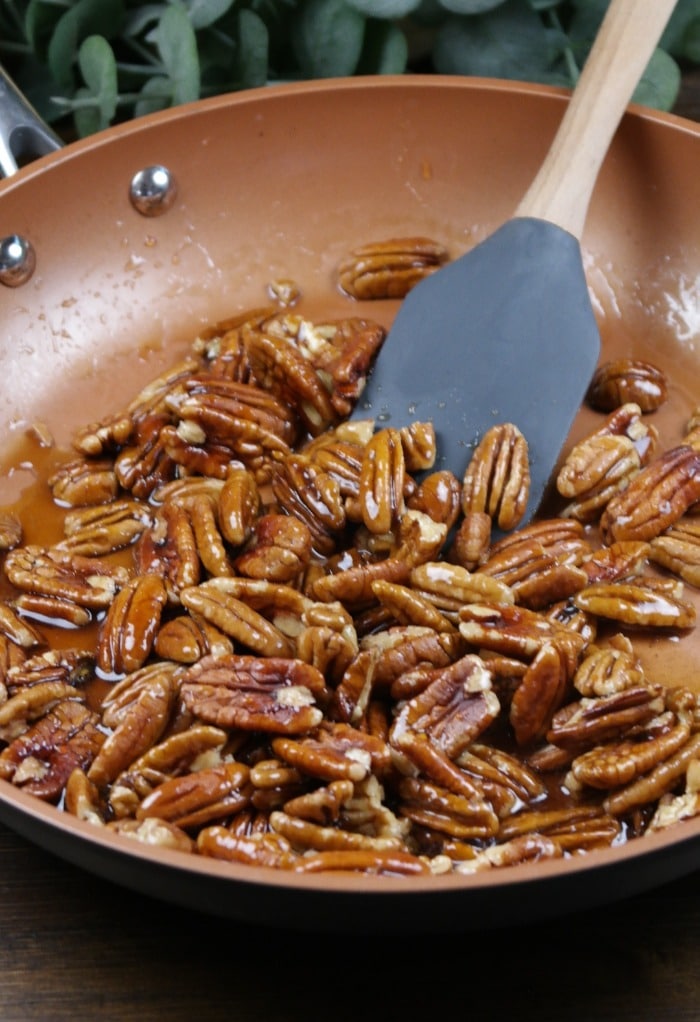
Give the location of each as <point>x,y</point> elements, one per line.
<point>86,64</point>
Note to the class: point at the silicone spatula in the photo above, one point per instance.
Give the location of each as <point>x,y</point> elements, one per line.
<point>507,333</point>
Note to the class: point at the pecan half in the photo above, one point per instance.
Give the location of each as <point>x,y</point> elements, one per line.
<point>497,479</point>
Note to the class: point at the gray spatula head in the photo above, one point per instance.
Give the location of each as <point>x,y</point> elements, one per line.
<point>505,333</point>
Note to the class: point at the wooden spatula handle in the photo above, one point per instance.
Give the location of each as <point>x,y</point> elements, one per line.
<point>562,189</point>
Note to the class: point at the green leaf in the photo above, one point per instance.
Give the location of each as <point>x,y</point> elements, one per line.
<point>384,8</point>
<point>509,42</point>
<point>385,50</point>
<point>660,82</point>
<point>684,14</point>
<point>252,49</point>
<point>156,94</point>
<point>176,43</point>
<point>470,6</point>
<point>203,13</point>
<point>84,18</point>
<point>99,70</point>
<point>327,38</point>
<point>39,22</point>
<point>691,42</point>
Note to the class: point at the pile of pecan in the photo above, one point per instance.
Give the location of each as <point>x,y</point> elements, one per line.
<point>295,643</point>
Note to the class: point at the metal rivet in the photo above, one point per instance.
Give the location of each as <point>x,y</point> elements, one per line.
<point>17,260</point>
<point>152,190</point>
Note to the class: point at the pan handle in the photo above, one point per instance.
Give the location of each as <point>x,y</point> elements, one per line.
<point>23,134</point>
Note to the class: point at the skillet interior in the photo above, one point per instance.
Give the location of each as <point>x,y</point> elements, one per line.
<point>281,183</point>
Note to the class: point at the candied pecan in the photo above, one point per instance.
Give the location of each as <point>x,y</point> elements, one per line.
<point>344,363</point>
<point>304,835</point>
<point>238,505</point>
<point>430,805</point>
<point>572,829</point>
<point>604,718</point>
<point>98,438</point>
<point>539,694</point>
<point>222,408</point>
<point>438,496</point>
<point>627,420</point>
<point>660,780</point>
<point>188,637</point>
<point>42,759</point>
<point>31,702</point>
<point>256,849</point>
<point>145,464</point>
<point>656,498</point>
<point>491,764</point>
<point>382,480</point>
<point>516,852</point>
<point>383,862</point>
<point>678,550</point>
<point>18,631</point>
<point>606,670</point>
<point>82,798</point>
<point>389,269</point>
<point>95,531</point>
<point>618,561</point>
<point>409,607</point>
<point>450,586</point>
<point>497,479</point>
<point>169,549</point>
<point>610,766</point>
<point>419,446</point>
<point>279,551</point>
<point>10,530</point>
<point>472,540</point>
<point>129,628</point>
<point>283,370</point>
<point>211,549</point>
<point>313,496</point>
<point>255,694</point>
<point>639,604</point>
<point>186,751</point>
<point>353,587</point>
<point>518,632</point>
<point>236,619</point>
<point>335,752</point>
<point>622,380</point>
<point>80,483</point>
<point>453,709</point>
<point>198,798</point>
<point>142,723</point>
<point>342,461</point>
<point>402,649</point>
<point>153,832</point>
<point>74,667</point>
<point>594,470</point>
<point>117,704</point>
<point>322,805</point>
<point>86,581</point>
<point>536,577</point>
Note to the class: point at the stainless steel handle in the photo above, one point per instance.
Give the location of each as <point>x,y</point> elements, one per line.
<point>23,134</point>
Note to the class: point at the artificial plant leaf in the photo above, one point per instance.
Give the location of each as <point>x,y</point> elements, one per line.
<point>252,49</point>
<point>508,42</point>
<point>84,18</point>
<point>659,85</point>
<point>384,8</point>
<point>327,37</point>
<point>175,40</point>
<point>99,70</point>
<point>385,49</point>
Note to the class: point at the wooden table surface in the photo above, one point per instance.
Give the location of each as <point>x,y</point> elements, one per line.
<point>74,947</point>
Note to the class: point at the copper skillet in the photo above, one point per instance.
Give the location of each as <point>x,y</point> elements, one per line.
<point>281,182</point>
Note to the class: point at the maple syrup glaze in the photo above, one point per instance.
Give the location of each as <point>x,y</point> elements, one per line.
<point>27,461</point>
